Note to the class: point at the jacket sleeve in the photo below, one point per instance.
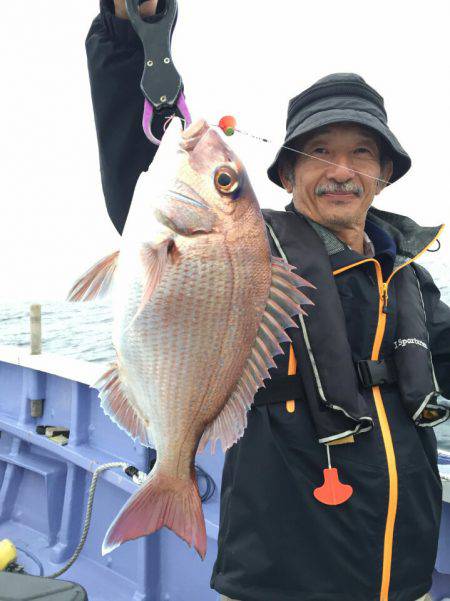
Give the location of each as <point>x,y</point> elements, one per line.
<point>115,62</point>
<point>438,318</point>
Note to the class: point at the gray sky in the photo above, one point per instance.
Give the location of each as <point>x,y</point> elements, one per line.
<point>234,59</point>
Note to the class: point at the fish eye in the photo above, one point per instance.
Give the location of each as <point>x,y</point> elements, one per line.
<point>226,180</point>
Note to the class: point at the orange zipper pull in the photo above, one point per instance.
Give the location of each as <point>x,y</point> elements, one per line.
<point>385,297</point>
<point>292,370</point>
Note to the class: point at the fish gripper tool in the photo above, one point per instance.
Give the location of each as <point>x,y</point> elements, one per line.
<point>161,83</point>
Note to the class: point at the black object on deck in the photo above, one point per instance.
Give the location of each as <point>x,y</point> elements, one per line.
<point>21,587</point>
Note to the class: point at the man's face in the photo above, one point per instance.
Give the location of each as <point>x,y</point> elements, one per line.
<point>337,195</point>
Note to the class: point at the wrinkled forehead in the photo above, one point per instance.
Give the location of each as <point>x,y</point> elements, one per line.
<point>335,131</point>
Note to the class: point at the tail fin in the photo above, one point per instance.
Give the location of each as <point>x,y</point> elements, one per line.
<point>162,501</point>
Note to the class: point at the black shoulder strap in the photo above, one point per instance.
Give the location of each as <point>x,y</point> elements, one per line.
<point>332,382</point>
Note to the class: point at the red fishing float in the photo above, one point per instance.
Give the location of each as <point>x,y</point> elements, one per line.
<point>228,124</point>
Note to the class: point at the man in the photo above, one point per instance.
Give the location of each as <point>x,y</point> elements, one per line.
<point>372,353</point>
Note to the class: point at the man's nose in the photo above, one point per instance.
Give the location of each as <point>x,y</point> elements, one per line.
<point>341,169</point>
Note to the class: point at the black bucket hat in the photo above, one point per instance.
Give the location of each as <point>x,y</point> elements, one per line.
<point>341,98</point>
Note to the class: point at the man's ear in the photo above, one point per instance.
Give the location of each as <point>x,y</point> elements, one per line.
<point>285,179</point>
<point>386,174</point>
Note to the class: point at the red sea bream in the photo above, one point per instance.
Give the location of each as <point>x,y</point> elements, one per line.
<point>200,308</point>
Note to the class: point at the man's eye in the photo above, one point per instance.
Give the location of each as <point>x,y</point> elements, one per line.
<point>320,150</point>
<point>362,149</point>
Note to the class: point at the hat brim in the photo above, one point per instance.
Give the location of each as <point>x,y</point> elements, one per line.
<point>400,158</point>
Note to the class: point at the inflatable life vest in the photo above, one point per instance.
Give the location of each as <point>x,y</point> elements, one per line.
<point>329,378</point>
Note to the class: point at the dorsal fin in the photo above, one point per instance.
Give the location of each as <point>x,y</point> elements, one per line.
<point>283,303</point>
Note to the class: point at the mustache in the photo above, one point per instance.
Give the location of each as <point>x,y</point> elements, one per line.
<point>337,188</point>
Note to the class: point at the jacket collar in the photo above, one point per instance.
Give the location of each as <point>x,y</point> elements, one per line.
<point>409,237</point>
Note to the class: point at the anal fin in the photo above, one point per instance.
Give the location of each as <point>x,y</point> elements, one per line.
<point>118,403</point>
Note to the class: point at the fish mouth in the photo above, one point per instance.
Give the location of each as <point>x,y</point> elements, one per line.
<point>193,134</point>
<point>204,147</point>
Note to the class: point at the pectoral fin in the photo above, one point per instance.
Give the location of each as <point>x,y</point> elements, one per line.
<point>154,260</point>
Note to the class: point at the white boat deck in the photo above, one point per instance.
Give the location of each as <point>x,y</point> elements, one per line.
<point>78,370</point>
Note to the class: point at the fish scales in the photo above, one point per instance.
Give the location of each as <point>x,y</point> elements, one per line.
<point>167,340</point>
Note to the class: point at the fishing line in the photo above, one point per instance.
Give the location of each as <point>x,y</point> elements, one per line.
<point>268,141</point>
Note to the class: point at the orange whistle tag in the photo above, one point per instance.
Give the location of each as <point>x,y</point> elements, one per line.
<point>332,491</point>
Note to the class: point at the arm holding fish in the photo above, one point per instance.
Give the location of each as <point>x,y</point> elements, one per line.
<point>115,57</point>
<point>147,9</point>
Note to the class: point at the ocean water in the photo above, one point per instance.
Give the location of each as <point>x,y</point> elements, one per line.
<point>77,330</point>
<point>83,330</point>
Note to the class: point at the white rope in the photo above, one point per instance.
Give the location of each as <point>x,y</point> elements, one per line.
<point>87,520</point>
